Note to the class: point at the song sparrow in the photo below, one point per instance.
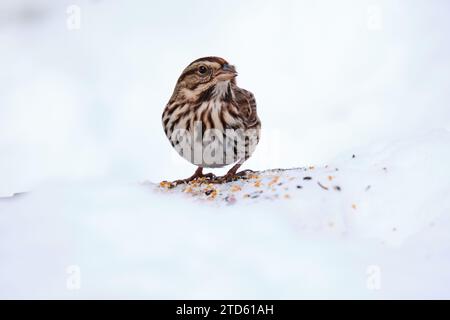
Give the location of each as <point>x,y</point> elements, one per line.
<point>210,121</point>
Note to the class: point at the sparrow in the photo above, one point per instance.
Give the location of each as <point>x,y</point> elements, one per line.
<point>210,121</point>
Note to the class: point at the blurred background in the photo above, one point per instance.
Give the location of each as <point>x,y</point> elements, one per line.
<point>83,83</point>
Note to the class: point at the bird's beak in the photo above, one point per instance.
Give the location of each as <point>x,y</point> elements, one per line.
<point>227,72</point>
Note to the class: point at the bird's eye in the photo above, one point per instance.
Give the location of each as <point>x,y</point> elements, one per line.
<point>202,69</point>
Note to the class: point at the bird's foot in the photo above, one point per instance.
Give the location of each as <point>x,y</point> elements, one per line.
<point>233,176</point>
<point>201,178</point>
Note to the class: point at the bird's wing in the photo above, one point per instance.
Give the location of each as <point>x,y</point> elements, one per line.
<point>247,107</point>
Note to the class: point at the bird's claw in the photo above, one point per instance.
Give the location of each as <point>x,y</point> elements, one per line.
<point>198,178</point>
<point>212,178</point>
<point>231,176</point>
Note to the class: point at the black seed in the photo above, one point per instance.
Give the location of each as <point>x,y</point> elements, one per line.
<point>322,186</point>
<point>337,188</point>
<point>299,187</point>
<point>307,178</point>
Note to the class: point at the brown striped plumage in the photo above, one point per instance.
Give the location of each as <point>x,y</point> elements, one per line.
<point>207,102</point>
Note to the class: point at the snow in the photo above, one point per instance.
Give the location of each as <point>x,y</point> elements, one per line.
<point>83,152</point>
<point>148,241</point>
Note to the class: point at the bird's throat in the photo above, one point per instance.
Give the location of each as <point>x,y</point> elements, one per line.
<point>222,90</point>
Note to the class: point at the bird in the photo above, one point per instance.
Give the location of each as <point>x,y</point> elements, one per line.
<point>210,121</point>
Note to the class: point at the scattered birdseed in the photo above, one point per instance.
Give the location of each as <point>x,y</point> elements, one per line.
<point>231,199</point>
<point>354,206</point>
<point>165,184</point>
<point>274,180</point>
<point>213,195</point>
<point>270,185</point>
<point>235,188</point>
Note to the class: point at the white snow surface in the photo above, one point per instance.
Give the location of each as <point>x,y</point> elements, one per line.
<point>391,213</point>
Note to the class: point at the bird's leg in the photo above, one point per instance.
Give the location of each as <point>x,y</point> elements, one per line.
<point>197,174</point>
<point>232,174</point>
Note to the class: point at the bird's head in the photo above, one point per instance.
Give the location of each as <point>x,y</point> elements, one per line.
<point>203,75</point>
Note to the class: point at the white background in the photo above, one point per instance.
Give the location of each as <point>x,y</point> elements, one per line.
<point>80,125</point>
<point>328,76</point>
